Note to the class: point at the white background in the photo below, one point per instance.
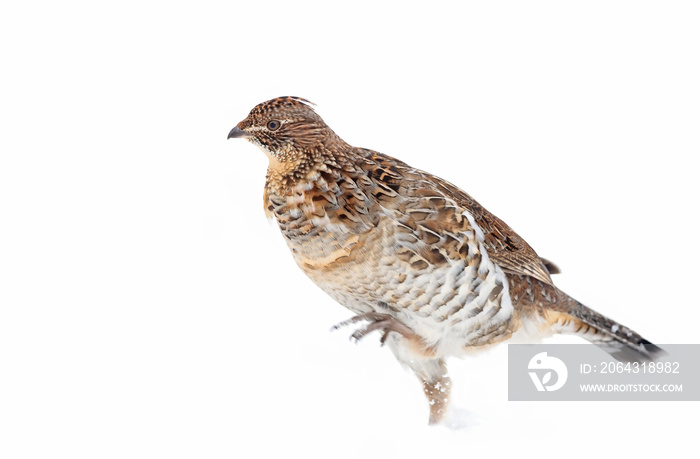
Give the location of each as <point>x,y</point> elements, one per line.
<point>148,309</point>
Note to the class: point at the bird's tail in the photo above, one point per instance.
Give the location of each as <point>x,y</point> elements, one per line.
<point>620,342</point>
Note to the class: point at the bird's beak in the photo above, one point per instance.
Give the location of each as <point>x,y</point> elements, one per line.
<point>235,133</point>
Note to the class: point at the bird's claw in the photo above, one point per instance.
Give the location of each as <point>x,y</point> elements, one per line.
<point>384,322</point>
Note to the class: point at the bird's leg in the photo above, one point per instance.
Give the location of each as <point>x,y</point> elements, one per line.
<point>377,321</point>
<point>437,388</point>
<point>420,358</point>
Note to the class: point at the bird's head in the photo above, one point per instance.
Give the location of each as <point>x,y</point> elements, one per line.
<point>285,128</point>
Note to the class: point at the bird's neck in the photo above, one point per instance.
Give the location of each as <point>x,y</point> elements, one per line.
<point>304,167</point>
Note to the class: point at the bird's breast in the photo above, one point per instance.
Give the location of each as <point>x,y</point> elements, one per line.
<point>323,225</point>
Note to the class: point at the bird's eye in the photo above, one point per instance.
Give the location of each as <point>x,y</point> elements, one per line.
<point>273,125</point>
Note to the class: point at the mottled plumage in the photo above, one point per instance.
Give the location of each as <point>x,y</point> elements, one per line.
<point>409,253</point>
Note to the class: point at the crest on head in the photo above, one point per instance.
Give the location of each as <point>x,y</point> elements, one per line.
<point>280,103</point>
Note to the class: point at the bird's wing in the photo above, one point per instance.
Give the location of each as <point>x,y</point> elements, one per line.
<point>503,245</point>
<point>445,204</point>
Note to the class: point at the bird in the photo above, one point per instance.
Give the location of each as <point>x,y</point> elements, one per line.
<point>411,255</point>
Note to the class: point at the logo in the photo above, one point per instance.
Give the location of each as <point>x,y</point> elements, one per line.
<point>545,365</point>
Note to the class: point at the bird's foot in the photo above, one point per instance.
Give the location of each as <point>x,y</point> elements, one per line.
<point>384,322</point>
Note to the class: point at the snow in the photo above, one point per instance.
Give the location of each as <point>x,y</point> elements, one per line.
<point>147,309</point>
